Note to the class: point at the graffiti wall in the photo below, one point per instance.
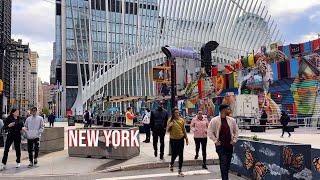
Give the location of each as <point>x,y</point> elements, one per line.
<point>272,160</point>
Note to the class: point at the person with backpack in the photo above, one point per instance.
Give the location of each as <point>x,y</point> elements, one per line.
<point>146,124</point>
<point>158,124</point>
<point>13,126</point>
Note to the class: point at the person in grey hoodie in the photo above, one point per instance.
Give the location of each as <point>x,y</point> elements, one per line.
<point>33,127</point>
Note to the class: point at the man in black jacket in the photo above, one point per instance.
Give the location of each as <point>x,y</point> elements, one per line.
<point>284,121</point>
<point>158,124</point>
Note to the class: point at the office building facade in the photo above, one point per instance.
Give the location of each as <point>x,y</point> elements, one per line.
<point>5,38</point>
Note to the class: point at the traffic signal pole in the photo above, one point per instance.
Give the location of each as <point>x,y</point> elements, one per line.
<point>173,83</point>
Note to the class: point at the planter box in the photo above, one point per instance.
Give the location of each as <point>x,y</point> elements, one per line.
<point>271,159</point>
<point>104,152</point>
<point>315,163</point>
<point>258,128</point>
<point>52,140</point>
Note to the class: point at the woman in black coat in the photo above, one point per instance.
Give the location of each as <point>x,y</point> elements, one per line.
<point>13,126</point>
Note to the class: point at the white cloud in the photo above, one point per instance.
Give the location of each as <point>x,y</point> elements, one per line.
<point>315,17</point>
<point>33,21</point>
<point>309,37</point>
<point>289,7</point>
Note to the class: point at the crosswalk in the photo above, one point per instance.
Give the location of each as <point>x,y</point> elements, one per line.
<point>147,176</point>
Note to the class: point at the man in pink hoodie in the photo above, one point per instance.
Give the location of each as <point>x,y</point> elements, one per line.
<point>199,126</point>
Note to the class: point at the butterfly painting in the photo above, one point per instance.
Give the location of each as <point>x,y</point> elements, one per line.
<point>295,162</point>
<point>259,171</point>
<point>316,164</point>
<point>248,159</point>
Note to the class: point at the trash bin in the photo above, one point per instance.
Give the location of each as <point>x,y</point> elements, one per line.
<point>71,121</point>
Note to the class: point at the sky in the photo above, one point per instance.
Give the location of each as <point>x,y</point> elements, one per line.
<point>33,21</point>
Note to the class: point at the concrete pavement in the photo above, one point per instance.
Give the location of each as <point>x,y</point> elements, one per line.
<point>60,164</point>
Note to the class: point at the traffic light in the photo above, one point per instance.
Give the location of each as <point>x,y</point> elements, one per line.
<point>206,59</point>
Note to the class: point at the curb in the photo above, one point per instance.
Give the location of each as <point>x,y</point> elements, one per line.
<point>140,166</point>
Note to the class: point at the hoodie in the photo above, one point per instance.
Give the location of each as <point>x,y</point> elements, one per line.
<point>35,127</point>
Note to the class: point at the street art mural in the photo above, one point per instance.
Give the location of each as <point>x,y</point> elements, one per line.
<point>273,160</point>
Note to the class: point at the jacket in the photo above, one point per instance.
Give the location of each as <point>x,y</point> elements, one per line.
<point>159,120</point>
<point>14,130</point>
<point>199,127</point>
<point>284,120</point>
<point>35,127</point>
<point>146,118</point>
<point>215,126</point>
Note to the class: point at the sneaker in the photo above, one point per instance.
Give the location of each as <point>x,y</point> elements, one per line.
<point>171,167</point>
<point>30,165</point>
<point>289,135</point>
<point>35,161</point>
<point>161,157</point>
<point>204,166</point>
<point>17,165</point>
<point>196,156</point>
<point>2,167</point>
<point>155,153</point>
<point>180,173</point>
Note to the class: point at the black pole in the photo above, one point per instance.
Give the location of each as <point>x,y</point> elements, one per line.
<point>173,83</point>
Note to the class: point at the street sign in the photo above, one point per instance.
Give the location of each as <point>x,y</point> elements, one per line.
<point>161,74</point>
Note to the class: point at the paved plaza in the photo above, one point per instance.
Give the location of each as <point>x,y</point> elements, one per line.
<point>60,164</point>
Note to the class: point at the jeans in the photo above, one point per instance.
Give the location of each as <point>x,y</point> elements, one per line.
<point>147,130</point>
<point>225,156</point>
<point>33,144</point>
<point>16,139</point>
<point>156,135</point>
<point>177,146</point>
<point>203,142</point>
<point>285,129</point>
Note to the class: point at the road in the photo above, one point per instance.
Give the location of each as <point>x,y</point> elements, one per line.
<point>191,173</point>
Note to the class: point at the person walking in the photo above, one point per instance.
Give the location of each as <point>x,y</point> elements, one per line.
<point>146,124</point>
<point>264,118</point>
<point>129,117</point>
<point>13,126</point>
<point>223,131</point>
<point>199,126</point>
<point>158,123</point>
<point>178,133</point>
<point>284,120</point>
<point>34,126</point>
<point>87,119</point>
<point>51,119</point>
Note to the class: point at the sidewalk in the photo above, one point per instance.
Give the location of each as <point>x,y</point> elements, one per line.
<point>59,163</point>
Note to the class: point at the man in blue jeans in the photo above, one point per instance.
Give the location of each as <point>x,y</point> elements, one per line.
<point>223,131</point>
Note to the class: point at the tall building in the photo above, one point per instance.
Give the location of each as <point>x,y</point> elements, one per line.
<point>5,38</point>
<point>52,72</point>
<point>34,57</point>
<point>20,89</point>
<point>46,95</point>
<point>40,95</point>
<point>108,47</point>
